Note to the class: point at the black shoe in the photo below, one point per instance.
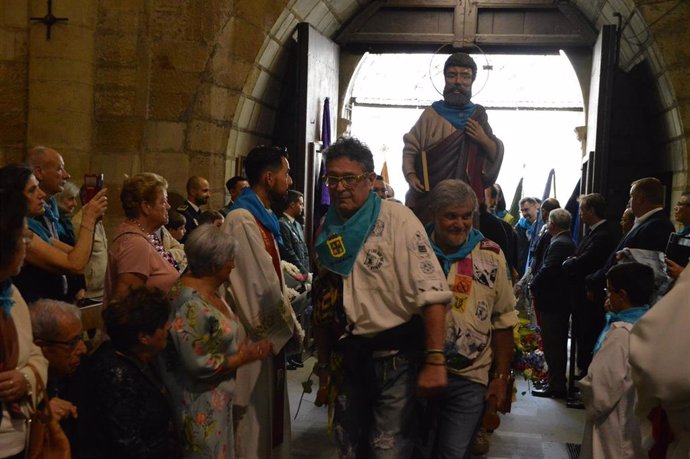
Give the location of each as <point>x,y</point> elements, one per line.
<point>290,366</point>
<point>547,392</point>
<point>575,401</point>
<point>540,384</point>
<point>575,404</point>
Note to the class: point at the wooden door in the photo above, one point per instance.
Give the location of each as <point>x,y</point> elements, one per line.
<point>318,64</point>
<point>599,109</point>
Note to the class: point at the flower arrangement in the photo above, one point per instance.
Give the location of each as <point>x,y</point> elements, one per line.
<point>529,358</point>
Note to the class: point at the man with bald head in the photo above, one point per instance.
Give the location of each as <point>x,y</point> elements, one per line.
<point>49,169</point>
<point>451,140</point>
<point>198,195</point>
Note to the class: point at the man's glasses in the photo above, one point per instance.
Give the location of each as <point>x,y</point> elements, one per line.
<point>71,344</point>
<point>348,181</point>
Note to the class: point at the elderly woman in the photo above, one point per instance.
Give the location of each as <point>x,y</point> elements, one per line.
<point>18,354</point>
<point>206,351</point>
<point>137,257</point>
<point>127,411</point>
<point>67,201</point>
<point>48,260</point>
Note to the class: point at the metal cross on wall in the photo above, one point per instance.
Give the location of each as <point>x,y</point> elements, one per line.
<point>49,19</point>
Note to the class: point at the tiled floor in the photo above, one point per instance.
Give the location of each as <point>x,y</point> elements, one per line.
<point>536,428</point>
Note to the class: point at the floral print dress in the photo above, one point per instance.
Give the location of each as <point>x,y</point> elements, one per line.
<point>197,374</point>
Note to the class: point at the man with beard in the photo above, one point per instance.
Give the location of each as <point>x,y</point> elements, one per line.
<point>451,139</point>
<point>197,195</point>
<point>258,294</point>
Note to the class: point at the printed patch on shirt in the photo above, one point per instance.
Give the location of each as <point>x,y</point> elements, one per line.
<point>459,302</point>
<point>427,267</point>
<point>374,259</point>
<point>462,284</point>
<point>336,246</point>
<point>378,228</point>
<point>423,250</point>
<point>422,244</point>
<point>471,343</point>
<point>482,311</point>
<point>485,273</point>
<point>464,267</point>
<point>488,244</point>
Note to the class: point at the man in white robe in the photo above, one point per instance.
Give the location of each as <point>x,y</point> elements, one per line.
<point>659,347</point>
<point>611,428</point>
<point>257,293</point>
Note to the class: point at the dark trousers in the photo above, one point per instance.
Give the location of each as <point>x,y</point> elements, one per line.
<point>554,335</point>
<point>589,318</point>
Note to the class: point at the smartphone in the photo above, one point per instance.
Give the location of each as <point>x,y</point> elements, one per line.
<point>93,183</point>
<point>678,249</point>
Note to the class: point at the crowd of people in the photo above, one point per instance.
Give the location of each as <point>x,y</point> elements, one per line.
<point>412,312</point>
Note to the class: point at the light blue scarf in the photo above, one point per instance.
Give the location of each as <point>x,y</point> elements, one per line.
<point>250,201</point>
<point>38,229</point>
<point>6,300</point>
<point>457,116</point>
<point>447,260</point>
<point>339,242</point>
<point>630,315</point>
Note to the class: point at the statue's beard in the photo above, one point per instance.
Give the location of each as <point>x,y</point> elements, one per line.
<point>456,95</point>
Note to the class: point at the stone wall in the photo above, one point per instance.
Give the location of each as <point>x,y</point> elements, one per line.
<point>14,72</point>
<point>182,87</point>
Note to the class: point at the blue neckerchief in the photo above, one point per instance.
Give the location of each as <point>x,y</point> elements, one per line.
<point>339,242</point>
<point>39,229</point>
<point>53,214</point>
<point>501,213</point>
<point>685,231</point>
<point>630,316</point>
<point>250,201</point>
<point>523,223</point>
<point>6,300</point>
<point>457,116</point>
<point>473,238</point>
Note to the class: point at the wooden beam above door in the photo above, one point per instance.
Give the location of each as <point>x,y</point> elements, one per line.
<point>497,24</point>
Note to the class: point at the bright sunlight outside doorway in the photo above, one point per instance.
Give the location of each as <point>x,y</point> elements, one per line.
<point>534,105</point>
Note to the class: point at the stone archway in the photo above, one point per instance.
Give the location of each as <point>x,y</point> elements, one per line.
<point>254,116</point>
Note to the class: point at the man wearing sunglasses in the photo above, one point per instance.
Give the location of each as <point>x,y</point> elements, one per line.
<point>451,140</point>
<point>379,311</point>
